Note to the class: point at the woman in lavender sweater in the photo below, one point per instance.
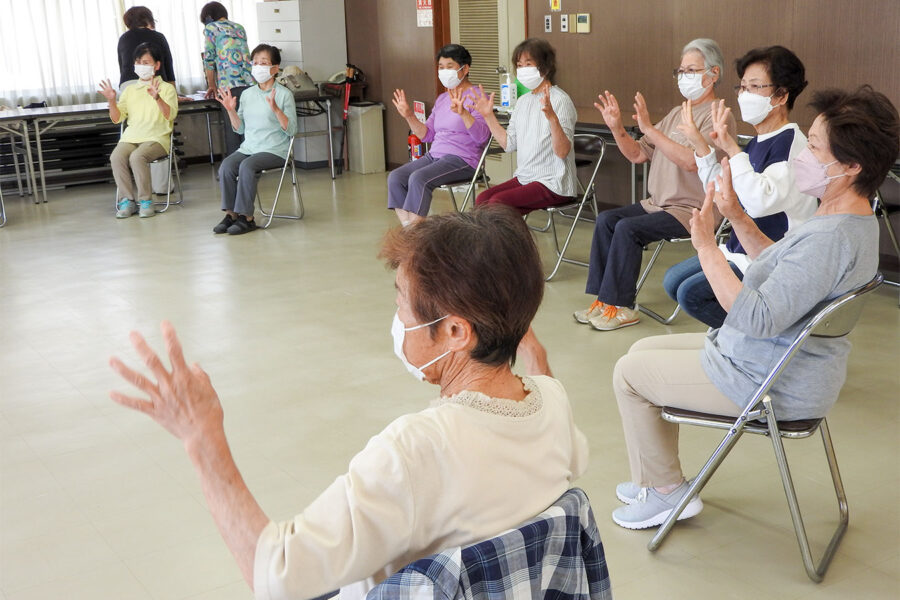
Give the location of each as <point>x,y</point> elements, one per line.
<point>456,131</point>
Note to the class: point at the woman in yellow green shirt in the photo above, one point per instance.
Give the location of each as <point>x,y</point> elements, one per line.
<point>150,107</point>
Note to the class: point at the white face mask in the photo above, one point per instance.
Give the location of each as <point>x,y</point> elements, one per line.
<point>449,77</point>
<point>398,332</point>
<point>530,77</point>
<point>261,73</point>
<point>691,85</point>
<point>144,72</point>
<point>754,108</point>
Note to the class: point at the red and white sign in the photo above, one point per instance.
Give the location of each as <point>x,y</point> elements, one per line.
<point>424,15</point>
<point>419,110</point>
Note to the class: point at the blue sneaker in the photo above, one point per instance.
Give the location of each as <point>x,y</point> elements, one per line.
<point>125,208</point>
<point>651,508</point>
<point>147,209</point>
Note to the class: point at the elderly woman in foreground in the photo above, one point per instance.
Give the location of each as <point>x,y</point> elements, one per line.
<point>852,144</point>
<point>491,451</point>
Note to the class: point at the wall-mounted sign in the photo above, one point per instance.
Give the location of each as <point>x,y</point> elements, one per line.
<point>419,110</point>
<point>423,13</point>
<point>555,5</point>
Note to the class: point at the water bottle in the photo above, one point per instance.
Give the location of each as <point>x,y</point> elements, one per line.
<point>507,89</point>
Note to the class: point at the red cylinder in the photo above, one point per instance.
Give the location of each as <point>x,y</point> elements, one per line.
<point>416,147</point>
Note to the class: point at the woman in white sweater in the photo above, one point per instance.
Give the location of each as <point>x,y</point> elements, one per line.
<point>491,451</point>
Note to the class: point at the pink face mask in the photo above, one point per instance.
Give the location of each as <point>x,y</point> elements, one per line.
<point>809,174</point>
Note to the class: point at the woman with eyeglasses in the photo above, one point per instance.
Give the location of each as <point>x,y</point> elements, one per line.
<point>620,234</point>
<point>762,176</point>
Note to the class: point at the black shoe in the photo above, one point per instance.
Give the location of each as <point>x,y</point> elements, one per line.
<point>224,224</point>
<point>241,225</point>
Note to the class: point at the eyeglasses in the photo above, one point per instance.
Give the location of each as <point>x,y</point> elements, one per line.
<point>753,88</point>
<point>677,73</point>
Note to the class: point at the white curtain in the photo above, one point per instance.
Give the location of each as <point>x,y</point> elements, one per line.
<point>56,50</point>
<point>59,50</point>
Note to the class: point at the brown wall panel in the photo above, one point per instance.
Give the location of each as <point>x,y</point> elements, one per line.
<point>635,45</point>
<point>384,41</point>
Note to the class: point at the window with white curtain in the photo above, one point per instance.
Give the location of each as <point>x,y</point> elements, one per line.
<point>59,50</point>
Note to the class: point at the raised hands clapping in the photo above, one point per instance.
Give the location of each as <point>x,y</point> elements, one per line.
<point>223,95</point>
<point>483,103</point>
<point>609,108</point>
<point>107,90</point>
<point>720,135</point>
<point>401,104</point>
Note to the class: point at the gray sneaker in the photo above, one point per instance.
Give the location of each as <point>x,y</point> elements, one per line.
<point>651,508</point>
<point>584,316</point>
<point>125,208</point>
<point>628,492</point>
<point>147,209</point>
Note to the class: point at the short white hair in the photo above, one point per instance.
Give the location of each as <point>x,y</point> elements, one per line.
<point>711,53</point>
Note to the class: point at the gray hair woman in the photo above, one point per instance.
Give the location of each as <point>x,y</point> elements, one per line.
<point>620,234</point>
<point>468,286</point>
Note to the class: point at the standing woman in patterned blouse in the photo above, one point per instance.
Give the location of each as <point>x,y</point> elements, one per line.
<point>226,59</point>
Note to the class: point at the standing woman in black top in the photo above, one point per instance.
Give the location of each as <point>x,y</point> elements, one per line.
<point>141,29</point>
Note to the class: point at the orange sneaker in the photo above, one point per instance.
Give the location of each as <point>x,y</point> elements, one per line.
<point>615,317</point>
<point>584,316</point>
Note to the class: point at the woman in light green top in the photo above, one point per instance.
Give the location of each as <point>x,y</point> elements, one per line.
<point>267,117</point>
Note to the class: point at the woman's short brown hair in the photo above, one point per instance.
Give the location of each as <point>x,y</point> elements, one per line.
<point>482,266</point>
<point>541,52</point>
<point>864,129</point>
<point>137,17</point>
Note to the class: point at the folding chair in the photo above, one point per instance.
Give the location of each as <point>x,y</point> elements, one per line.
<point>172,157</point>
<point>835,319</point>
<point>557,554</point>
<point>589,148</point>
<point>472,183</point>
<point>721,235</point>
<point>881,211</point>
<point>298,199</point>
<point>2,210</point>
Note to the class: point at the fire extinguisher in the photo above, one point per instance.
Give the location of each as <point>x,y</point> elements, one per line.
<point>416,147</point>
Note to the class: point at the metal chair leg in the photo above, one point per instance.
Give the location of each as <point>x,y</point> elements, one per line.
<point>815,571</point>
<point>297,195</point>
<point>699,482</point>
<point>561,253</point>
<point>647,311</point>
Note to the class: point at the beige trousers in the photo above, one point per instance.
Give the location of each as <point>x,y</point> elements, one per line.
<point>661,371</point>
<point>134,158</point>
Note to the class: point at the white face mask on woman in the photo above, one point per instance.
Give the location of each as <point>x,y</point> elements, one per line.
<point>449,78</point>
<point>691,85</point>
<point>398,332</point>
<point>144,72</point>
<point>261,73</point>
<point>754,108</point>
<point>530,77</point>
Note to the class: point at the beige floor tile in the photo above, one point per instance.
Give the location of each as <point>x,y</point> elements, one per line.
<point>47,558</point>
<point>185,570</point>
<point>112,581</point>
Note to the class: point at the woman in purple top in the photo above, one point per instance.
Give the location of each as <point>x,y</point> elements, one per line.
<point>456,131</point>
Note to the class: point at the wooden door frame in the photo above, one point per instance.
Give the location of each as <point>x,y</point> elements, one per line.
<point>441,27</point>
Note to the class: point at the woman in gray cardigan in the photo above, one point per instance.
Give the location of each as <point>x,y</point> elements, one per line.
<point>852,144</point>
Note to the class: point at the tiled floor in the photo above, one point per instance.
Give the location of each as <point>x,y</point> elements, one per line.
<point>293,325</point>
